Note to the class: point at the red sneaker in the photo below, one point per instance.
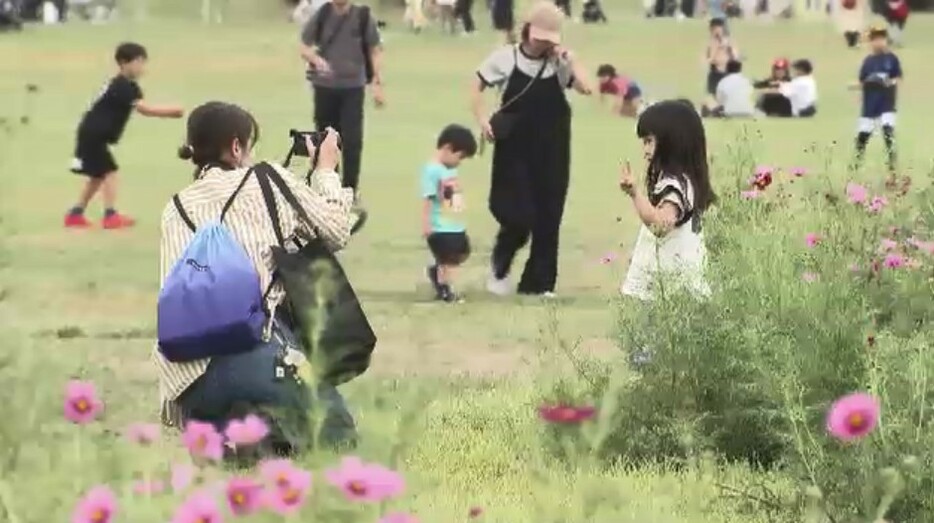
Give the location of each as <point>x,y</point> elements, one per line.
<point>76,221</point>
<point>118,221</point>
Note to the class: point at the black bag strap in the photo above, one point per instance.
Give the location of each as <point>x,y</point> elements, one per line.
<point>271,206</point>
<point>323,15</point>
<point>537,77</point>
<point>287,193</point>
<point>235,193</point>
<point>183,214</point>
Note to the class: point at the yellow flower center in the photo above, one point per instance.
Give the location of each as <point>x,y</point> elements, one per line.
<point>856,421</point>
<point>291,496</point>
<point>238,499</point>
<point>99,516</point>
<point>82,405</point>
<point>282,481</point>
<point>357,487</point>
<point>201,442</point>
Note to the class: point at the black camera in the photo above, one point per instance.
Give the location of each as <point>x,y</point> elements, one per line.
<point>300,148</point>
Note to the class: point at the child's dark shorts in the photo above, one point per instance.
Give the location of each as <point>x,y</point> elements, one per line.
<point>92,157</point>
<point>713,78</point>
<point>449,248</point>
<point>633,92</point>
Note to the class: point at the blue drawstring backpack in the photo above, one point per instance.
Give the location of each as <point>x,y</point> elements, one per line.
<point>211,303</point>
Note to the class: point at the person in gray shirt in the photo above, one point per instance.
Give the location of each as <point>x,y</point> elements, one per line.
<point>341,44</point>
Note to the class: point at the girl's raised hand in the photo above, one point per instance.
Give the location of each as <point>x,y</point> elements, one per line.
<point>627,181</point>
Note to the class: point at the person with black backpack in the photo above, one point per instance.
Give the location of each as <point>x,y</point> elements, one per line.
<point>341,44</point>
<point>236,334</point>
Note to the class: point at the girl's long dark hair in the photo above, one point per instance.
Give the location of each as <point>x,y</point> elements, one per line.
<point>680,148</point>
<point>212,127</point>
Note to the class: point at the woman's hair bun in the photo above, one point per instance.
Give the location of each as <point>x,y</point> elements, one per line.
<point>186,152</point>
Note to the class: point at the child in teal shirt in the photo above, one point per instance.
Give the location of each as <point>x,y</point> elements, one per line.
<point>446,235</point>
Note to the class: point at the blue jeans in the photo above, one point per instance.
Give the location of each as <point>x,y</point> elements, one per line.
<point>239,384</point>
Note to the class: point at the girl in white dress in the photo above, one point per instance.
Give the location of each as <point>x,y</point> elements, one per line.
<point>670,250</point>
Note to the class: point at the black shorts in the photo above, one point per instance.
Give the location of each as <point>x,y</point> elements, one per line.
<point>449,248</point>
<point>633,92</point>
<point>713,78</point>
<point>93,157</point>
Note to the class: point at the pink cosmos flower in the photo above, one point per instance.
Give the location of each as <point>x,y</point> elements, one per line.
<point>888,245</point>
<point>475,512</point>
<point>183,475</point>
<point>203,441</point>
<point>566,414</point>
<point>81,402</point>
<point>798,172</point>
<point>856,193</point>
<point>608,258</point>
<point>99,505</point>
<point>148,488</point>
<point>763,177</point>
<point>199,508</point>
<point>398,517</point>
<point>142,433</point>
<point>366,482</point>
<point>248,431</point>
<point>877,204</point>
<point>894,261</point>
<point>750,195</point>
<point>812,239</point>
<point>853,416</point>
<point>243,496</point>
<point>289,489</point>
<point>810,277</point>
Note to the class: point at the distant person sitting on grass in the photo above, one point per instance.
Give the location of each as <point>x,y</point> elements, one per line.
<point>734,94</point>
<point>801,90</point>
<point>626,93</point>
<point>773,103</point>
<point>719,51</point>
<point>446,236</point>
<point>102,126</point>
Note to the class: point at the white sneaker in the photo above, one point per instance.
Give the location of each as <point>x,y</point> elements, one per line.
<point>499,287</point>
<point>549,295</point>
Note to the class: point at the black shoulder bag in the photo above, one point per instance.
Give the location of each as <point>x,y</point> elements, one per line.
<point>501,123</point>
<point>315,283</point>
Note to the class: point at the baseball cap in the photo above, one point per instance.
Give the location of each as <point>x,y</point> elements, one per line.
<point>545,20</point>
<point>878,31</point>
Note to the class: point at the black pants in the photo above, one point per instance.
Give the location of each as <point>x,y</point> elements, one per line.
<point>342,109</point>
<point>463,10</point>
<point>564,5</point>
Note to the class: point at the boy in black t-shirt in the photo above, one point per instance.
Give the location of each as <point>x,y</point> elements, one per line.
<point>879,77</point>
<point>101,126</point>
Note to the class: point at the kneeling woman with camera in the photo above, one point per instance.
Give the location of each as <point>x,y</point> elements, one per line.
<point>226,347</point>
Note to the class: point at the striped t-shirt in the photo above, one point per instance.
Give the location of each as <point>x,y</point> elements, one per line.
<point>328,206</point>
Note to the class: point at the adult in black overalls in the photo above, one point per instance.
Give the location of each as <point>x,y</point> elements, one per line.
<point>532,136</point>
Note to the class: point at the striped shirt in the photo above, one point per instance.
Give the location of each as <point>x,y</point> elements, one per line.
<point>328,206</point>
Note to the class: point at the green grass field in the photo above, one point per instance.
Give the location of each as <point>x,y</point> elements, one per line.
<point>81,304</point>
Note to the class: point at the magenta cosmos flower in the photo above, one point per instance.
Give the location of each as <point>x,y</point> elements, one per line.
<point>877,204</point>
<point>894,261</point>
<point>853,416</point>
<point>81,402</point>
<point>367,482</point>
<point>566,414</point>
<point>887,245</point>
<point>99,505</point>
<point>475,512</point>
<point>288,486</point>
<point>244,496</point>
<point>142,433</point>
<point>398,517</point>
<point>798,172</point>
<point>856,193</point>
<point>248,431</point>
<point>812,239</point>
<point>608,258</point>
<point>763,177</point>
<point>203,441</point>
<point>199,508</point>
